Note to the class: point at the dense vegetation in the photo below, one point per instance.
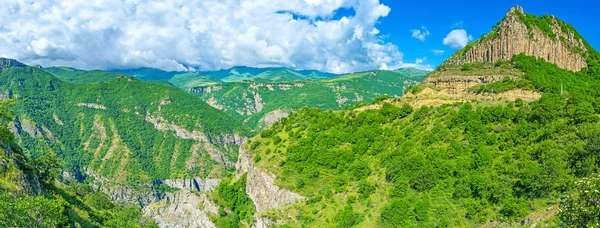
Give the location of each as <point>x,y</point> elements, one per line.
<point>249,94</point>
<point>235,208</point>
<point>251,101</point>
<point>455,165</point>
<point>76,76</point>
<point>32,196</point>
<point>105,126</point>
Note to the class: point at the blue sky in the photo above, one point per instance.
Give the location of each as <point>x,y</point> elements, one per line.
<point>337,36</point>
<point>477,18</point>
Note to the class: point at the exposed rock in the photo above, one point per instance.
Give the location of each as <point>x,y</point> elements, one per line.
<point>262,222</point>
<point>213,102</point>
<point>513,38</point>
<point>8,63</point>
<point>459,83</point>
<point>24,125</point>
<point>57,120</point>
<point>273,117</point>
<point>91,105</point>
<point>182,209</point>
<point>258,104</point>
<point>260,186</point>
<point>225,139</point>
<point>193,184</point>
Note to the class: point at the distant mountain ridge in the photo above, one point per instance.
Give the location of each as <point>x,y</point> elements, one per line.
<point>233,74</point>
<point>259,96</point>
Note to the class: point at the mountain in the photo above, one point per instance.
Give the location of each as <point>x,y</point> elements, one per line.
<point>487,68</point>
<point>33,194</point>
<point>260,103</point>
<point>125,137</point>
<point>496,136</point>
<point>260,96</point>
<point>76,76</point>
<point>236,74</point>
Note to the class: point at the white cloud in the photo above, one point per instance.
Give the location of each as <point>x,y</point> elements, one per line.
<point>457,38</point>
<point>420,34</point>
<point>457,25</point>
<point>418,64</point>
<point>437,52</point>
<point>208,34</point>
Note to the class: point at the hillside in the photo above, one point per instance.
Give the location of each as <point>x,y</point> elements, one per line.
<point>76,76</point>
<point>495,142</point>
<point>32,194</point>
<point>240,73</point>
<point>260,96</point>
<point>260,103</point>
<point>123,131</point>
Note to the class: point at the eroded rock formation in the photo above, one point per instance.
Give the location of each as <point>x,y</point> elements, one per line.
<point>514,37</point>
<point>260,186</point>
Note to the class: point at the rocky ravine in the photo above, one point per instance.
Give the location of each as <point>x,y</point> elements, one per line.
<point>186,206</point>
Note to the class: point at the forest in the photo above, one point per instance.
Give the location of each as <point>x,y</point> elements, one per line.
<point>465,164</point>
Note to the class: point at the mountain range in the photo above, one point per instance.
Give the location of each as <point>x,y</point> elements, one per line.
<point>503,133</point>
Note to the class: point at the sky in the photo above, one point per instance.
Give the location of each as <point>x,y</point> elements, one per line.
<point>337,36</point>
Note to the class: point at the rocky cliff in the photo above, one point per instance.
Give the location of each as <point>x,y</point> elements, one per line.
<point>260,186</point>
<point>513,36</point>
<point>460,83</point>
<point>8,63</point>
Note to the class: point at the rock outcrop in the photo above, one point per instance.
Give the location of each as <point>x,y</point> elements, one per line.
<point>192,184</point>
<point>8,63</point>
<point>512,37</point>
<point>273,117</point>
<point>183,209</point>
<point>460,83</point>
<point>260,186</point>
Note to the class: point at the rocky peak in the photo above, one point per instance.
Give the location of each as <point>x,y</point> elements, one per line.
<point>515,9</point>
<point>543,37</point>
<point>8,63</point>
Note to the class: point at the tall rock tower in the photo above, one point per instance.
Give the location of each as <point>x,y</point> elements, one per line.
<point>543,37</point>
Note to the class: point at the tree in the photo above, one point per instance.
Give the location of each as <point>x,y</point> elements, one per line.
<point>48,166</point>
<point>581,208</point>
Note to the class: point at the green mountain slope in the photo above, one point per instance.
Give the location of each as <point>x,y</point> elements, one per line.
<point>236,74</point>
<point>125,130</point>
<point>76,76</point>
<point>484,163</point>
<point>260,103</point>
<point>259,96</point>
<point>32,196</point>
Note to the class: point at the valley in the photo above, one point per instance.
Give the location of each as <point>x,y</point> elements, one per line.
<point>503,133</point>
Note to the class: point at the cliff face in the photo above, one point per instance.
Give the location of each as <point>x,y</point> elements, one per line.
<point>260,186</point>
<point>456,84</point>
<point>8,63</point>
<point>513,37</point>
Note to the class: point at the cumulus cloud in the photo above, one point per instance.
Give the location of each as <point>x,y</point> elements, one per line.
<point>420,34</point>
<point>418,64</point>
<point>204,34</point>
<point>457,38</point>
<point>437,52</point>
